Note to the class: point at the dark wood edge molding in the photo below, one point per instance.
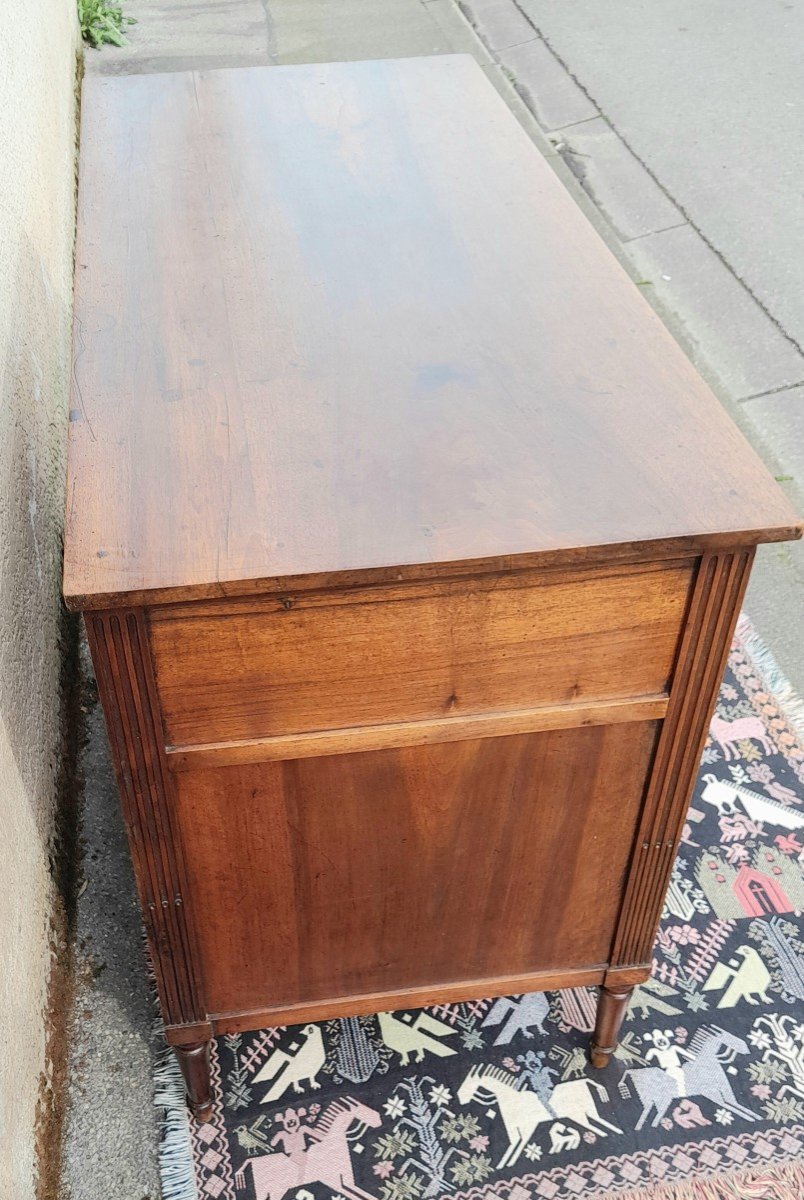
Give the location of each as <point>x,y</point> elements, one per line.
<point>120,653</point>
<point>414,997</point>
<point>688,546</point>
<point>188,1035</point>
<point>391,591</point>
<point>626,977</point>
<point>719,587</point>
<point>414,733</point>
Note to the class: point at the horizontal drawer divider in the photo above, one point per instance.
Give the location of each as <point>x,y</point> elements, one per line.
<point>456,728</point>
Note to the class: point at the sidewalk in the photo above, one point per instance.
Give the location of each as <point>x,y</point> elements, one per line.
<point>673,132</point>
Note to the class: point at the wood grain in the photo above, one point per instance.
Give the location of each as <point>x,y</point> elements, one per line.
<point>414,733</point>
<point>612,1007</point>
<point>719,589</point>
<point>119,648</point>
<point>411,997</point>
<point>341,318</point>
<point>336,877</point>
<point>194,1061</point>
<point>417,654</point>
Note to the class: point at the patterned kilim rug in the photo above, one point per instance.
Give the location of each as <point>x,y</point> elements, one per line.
<point>495,1099</point>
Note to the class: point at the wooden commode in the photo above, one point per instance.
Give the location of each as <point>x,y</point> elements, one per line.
<point>409,544</point>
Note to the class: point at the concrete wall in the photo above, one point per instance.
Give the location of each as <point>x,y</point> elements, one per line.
<point>38,46</point>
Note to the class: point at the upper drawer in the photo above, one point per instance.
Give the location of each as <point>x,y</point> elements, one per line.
<point>254,669</point>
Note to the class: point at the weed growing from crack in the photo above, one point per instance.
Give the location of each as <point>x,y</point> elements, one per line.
<point>102,22</point>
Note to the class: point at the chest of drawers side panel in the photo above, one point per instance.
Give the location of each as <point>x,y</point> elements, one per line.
<point>121,657</point>
<point>329,879</point>
<point>715,604</point>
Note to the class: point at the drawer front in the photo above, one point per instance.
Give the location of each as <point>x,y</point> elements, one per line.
<point>323,661</point>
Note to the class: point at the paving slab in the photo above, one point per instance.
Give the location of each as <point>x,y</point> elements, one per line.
<point>775,598</point>
<point>323,31</point>
<point>555,99</point>
<point>499,22</point>
<point>774,603</point>
<point>776,424</point>
<point>726,334</point>
<point>615,180</point>
<point>462,37</point>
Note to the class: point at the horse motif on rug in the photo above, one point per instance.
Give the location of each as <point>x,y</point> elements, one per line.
<point>710,1053</point>
<point>522,1110</point>
<point>326,1160</point>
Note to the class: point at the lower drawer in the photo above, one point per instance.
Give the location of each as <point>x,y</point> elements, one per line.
<point>331,877</point>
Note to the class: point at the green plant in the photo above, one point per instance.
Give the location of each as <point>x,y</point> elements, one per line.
<point>102,22</point>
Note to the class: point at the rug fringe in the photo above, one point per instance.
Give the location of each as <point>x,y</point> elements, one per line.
<point>783,1181</point>
<point>785,695</point>
<point>175,1154</point>
<point>175,1151</point>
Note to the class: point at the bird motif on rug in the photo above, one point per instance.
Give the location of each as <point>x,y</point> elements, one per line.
<point>407,1036</point>
<point>290,1069</point>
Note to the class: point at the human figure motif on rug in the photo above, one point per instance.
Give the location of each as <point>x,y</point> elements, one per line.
<point>710,1051</point>
<point>327,1159</point>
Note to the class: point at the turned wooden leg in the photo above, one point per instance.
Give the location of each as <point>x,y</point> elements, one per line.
<point>194,1063</point>
<point>611,1008</point>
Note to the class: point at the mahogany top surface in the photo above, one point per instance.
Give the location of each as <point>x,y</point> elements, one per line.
<point>342,317</point>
